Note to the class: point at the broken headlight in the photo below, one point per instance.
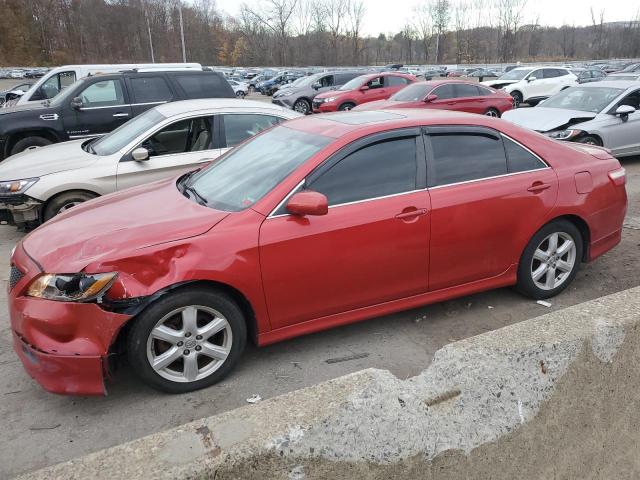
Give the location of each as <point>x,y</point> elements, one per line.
<point>79,287</point>
<point>564,134</point>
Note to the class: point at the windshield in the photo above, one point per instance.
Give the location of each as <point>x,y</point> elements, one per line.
<point>584,99</point>
<point>353,84</point>
<point>247,173</point>
<point>413,93</point>
<point>516,74</point>
<point>125,134</point>
<point>631,68</point>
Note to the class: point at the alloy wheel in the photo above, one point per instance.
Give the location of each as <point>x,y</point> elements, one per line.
<point>301,107</point>
<point>553,261</point>
<point>189,343</point>
<point>491,113</point>
<point>67,206</point>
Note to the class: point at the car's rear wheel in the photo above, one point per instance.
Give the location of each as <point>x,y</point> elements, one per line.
<point>29,143</point>
<point>590,140</point>
<point>346,107</point>
<point>64,202</point>
<point>240,94</point>
<point>492,112</point>
<point>551,260</point>
<point>302,106</point>
<point>517,99</point>
<point>187,340</point>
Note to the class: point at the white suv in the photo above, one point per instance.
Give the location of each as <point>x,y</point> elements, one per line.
<point>533,84</point>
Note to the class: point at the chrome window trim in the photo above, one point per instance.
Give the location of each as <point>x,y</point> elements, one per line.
<point>271,215</point>
<point>488,178</point>
<point>89,135</point>
<point>527,149</point>
<point>124,105</point>
<point>284,200</point>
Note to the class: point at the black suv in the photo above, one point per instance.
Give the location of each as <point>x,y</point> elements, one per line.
<point>98,104</point>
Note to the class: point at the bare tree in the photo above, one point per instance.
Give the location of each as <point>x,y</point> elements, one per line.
<point>423,26</point>
<point>355,17</point>
<point>509,13</point>
<point>334,13</point>
<point>440,16</point>
<point>275,15</point>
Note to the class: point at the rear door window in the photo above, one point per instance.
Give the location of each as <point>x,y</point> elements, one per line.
<point>393,81</point>
<point>203,85</point>
<point>464,90</point>
<point>238,127</point>
<point>465,155</point>
<point>150,90</point>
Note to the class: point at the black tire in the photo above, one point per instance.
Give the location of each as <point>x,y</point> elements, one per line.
<point>240,94</point>
<point>64,201</point>
<point>29,142</point>
<point>590,140</point>
<point>528,264</point>
<point>144,323</point>
<point>492,112</point>
<point>517,99</point>
<point>302,106</point>
<point>346,106</point>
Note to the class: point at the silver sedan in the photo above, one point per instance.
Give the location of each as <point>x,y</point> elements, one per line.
<point>605,114</point>
<point>167,140</point>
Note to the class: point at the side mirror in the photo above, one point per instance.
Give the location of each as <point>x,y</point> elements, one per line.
<point>624,111</point>
<point>77,103</point>
<point>316,85</point>
<point>431,98</point>
<point>532,79</point>
<point>308,203</point>
<point>364,88</point>
<point>140,154</point>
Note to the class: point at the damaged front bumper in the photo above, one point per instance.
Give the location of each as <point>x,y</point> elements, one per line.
<point>64,346</point>
<point>20,210</point>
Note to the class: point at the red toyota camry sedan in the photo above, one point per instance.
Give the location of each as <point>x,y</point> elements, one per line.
<point>316,223</point>
<point>448,94</point>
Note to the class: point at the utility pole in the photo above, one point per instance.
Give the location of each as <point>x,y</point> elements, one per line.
<point>184,52</point>
<point>153,59</point>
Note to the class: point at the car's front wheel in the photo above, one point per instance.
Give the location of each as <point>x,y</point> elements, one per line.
<point>302,106</point>
<point>345,107</point>
<point>29,143</point>
<point>551,260</point>
<point>64,202</point>
<point>492,112</point>
<point>187,340</point>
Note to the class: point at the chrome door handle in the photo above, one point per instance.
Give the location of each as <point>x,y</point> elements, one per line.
<point>120,114</point>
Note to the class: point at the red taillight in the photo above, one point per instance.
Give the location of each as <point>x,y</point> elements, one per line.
<point>618,176</point>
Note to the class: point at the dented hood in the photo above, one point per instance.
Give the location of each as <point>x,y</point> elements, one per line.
<point>116,225</point>
<point>544,119</point>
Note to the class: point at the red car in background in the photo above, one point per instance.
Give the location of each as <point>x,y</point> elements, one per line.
<point>458,95</point>
<point>362,89</point>
<point>318,222</point>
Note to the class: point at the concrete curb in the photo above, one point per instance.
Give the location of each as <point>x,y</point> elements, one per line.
<point>551,397</point>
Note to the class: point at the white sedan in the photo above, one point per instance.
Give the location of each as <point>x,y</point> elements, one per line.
<point>165,141</point>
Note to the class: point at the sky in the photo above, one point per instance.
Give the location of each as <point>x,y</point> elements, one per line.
<point>384,16</point>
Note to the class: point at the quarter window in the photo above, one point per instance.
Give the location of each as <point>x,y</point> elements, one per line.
<point>150,89</point>
<point>190,135</point>
<point>519,159</point>
<point>379,169</point>
<point>237,128</point>
<point>105,93</point>
<point>460,157</point>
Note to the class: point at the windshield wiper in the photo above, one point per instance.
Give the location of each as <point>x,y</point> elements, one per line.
<point>199,198</point>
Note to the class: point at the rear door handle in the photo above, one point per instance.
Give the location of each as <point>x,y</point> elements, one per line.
<point>120,114</point>
<point>538,187</point>
<point>411,213</point>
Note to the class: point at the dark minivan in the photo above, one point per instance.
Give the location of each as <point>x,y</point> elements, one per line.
<point>98,104</point>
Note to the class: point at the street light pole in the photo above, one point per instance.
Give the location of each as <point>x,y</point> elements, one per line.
<point>184,52</point>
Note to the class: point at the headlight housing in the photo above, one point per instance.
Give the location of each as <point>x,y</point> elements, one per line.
<point>331,99</point>
<point>73,287</point>
<point>564,134</point>
<point>16,187</point>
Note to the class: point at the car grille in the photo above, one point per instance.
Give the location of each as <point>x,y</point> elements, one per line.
<point>15,276</point>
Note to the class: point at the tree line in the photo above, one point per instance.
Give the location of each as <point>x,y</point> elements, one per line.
<point>297,32</point>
